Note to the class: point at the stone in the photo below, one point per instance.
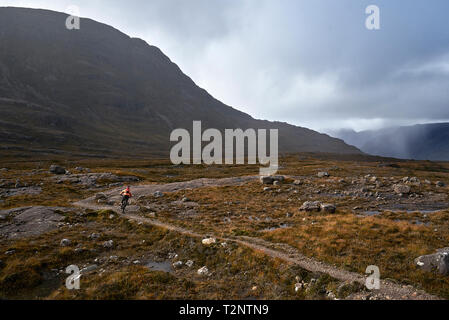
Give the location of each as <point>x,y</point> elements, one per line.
<point>401,189</point>
<point>440,184</point>
<point>297,182</point>
<point>108,244</point>
<point>266,180</point>
<point>311,206</point>
<point>438,262</point>
<point>276,183</point>
<point>65,243</point>
<point>323,174</point>
<point>329,208</point>
<point>209,241</point>
<point>178,264</point>
<point>158,194</point>
<point>203,271</point>
<point>89,269</point>
<point>95,236</point>
<point>57,169</point>
<point>189,263</point>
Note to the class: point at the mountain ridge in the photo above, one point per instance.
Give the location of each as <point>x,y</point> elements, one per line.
<point>99,89</point>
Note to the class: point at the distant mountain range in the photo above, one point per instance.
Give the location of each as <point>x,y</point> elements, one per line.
<point>420,142</point>
<point>96,90</point>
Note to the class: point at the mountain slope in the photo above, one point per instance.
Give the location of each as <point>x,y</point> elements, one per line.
<point>420,142</point>
<point>98,90</point>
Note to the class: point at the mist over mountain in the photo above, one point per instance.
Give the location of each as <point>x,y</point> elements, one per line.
<point>420,142</point>
<point>98,90</point>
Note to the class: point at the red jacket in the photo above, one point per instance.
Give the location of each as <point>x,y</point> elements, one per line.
<point>126,192</point>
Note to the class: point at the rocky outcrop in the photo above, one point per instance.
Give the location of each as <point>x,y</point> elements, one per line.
<point>437,262</point>
<point>31,221</point>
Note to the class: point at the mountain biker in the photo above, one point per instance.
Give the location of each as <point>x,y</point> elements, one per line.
<point>126,195</point>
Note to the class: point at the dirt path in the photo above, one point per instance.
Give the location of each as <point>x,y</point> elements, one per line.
<point>389,290</point>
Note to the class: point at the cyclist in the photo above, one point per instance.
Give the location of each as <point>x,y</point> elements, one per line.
<point>126,196</point>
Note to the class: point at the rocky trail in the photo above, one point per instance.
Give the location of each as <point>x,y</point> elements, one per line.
<point>389,290</point>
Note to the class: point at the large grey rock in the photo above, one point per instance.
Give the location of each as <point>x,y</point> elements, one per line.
<point>266,180</point>
<point>440,184</point>
<point>401,189</point>
<point>329,208</point>
<point>323,174</point>
<point>57,169</point>
<point>438,262</point>
<point>65,243</point>
<point>311,206</point>
<point>31,221</point>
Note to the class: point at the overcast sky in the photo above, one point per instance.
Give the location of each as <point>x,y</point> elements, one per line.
<point>311,63</point>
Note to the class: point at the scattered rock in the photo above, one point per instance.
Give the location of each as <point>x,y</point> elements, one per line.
<point>438,261</point>
<point>65,242</point>
<point>297,182</point>
<point>108,244</point>
<point>158,194</point>
<point>172,255</point>
<point>178,264</point>
<point>95,236</point>
<point>266,180</point>
<point>189,263</point>
<point>311,206</point>
<point>440,184</point>
<point>89,269</point>
<point>57,169</point>
<point>401,189</point>
<point>323,174</point>
<point>203,271</point>
<point>209,241</point>
<point>329,208</point>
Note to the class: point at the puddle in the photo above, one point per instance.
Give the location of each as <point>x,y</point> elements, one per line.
<point>165,266</point>
<point>371,213</point>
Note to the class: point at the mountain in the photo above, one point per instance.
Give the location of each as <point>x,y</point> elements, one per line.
<point>420,142</point>
<point>96,90</point>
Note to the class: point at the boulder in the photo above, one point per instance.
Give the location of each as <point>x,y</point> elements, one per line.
<point>266,180</point>
<point>57,169</point>
<point>438,262</point>
<point>108,244</point>
<point>311,206</point>
<point>89,269</point>
<point>329,208</point>
<point>401,189</point>
<point>209,241</point>
<point>440,184</point>
<point>65,242</point>
<point>203,271</point>
<point>158,194</point>
<point>323,174</point>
